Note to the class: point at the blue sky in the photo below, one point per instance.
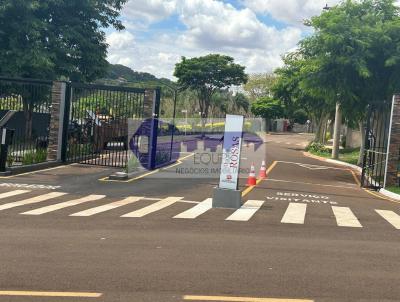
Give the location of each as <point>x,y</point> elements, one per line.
<point>255,32</point>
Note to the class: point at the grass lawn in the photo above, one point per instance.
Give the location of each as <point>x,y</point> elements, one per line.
<point>393,189</point>
<point>346,155</point>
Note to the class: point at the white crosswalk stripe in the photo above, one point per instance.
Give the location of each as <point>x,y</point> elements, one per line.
<point>391,217</point>
<point>246,211</point>
<point>13,193</point>
<point>63,205</point>
<point>345,217</point>
<point>295,213</point>
<point>107,207</point>
<point>153,208</point>
<point>32,200</point>
<point>196,211</point>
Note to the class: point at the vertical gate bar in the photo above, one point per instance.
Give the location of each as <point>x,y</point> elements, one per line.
<point>154,128</point>
<point>173,126</point>
<point>98,98</point>
<point>373,147</point>
<point>366,146</point>
<point>109,155</point>
<point>65,121</point>
<point>384,144</point>
<point>114,100</point>
<point>378,146</point>
<point>79,105</point>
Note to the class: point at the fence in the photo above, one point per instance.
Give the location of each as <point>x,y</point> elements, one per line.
<point>31,99</point>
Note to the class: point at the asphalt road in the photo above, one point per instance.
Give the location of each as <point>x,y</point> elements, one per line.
<point>311,235</point>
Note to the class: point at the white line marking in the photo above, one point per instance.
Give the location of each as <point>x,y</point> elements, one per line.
<point>347,186</point>
<point>153,208</point>
<point>295,213</point>
<point>107,207</point>
<point>63,205</point>
<point>246,211</point>
<point>294,163</point>
<point>13,193</point>
<point>188,201</point>
<point>345,217</point>
<point>390,217</point>
<point>32,200</point>
<point>197,210</point>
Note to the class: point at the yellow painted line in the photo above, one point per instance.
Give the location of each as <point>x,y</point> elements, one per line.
<point>371,192</point>
<point>179,162</point>
<point>355,177</point>
<point>249,189</point>
<point>50,294</point>
<point>241,299</point>
<point>33,172</point>
<point>381,196</point>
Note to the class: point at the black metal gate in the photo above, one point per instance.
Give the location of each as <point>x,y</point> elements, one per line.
<point>376,143</point>
<point>97,119</point>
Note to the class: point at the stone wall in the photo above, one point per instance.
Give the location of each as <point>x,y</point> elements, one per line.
<point>56,121</point>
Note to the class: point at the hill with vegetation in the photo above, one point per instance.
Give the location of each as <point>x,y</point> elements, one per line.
<point>118,74</point>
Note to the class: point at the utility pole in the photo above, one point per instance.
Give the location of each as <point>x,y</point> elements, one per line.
<point>336,135</point>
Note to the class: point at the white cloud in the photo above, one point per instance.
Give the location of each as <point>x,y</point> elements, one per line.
<point>210,26</point>
<point>120,40</point>
<point>290,11</point>
<point>215,25</point>
<point>149,11</point>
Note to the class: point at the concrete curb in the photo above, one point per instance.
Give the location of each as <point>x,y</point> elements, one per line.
<point>335,162</point>
<point>390,194</point>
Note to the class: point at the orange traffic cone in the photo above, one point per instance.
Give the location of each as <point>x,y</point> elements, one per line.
<point>252,180</point>
<point>263,173</point>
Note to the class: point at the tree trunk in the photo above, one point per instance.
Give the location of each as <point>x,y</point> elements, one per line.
<point>362,147</point>
<point>336,133</point>
<point>321,125</point>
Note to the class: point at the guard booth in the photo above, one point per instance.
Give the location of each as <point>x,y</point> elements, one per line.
<point>6,140</point>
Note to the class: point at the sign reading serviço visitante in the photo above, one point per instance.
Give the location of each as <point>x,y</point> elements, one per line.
<point>230,165</point>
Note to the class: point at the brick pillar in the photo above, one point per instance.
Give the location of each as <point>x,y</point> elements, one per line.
<point>56,121</point>
<point>394,145</point>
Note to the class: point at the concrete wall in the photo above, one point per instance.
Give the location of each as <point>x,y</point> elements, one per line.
<point>353,138</point>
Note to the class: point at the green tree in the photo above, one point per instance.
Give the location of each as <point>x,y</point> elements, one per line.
<point>259,85</point>
<point>288,89</point>
<point>267,108</point>
<point>352,57</point>
<point>55,39</point>
<point>206,75</point>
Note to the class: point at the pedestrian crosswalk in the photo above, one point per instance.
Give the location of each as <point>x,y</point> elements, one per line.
<point>345,217</point>
<point>295,213</point>
<point>246,211</point>
<point>292,214</point>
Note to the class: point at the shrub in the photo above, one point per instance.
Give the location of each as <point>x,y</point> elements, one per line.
<point>10,160</point>
<point>29,158</point>
<point>34,157</point>
<point>40,156</point>
<point>317,148</point>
